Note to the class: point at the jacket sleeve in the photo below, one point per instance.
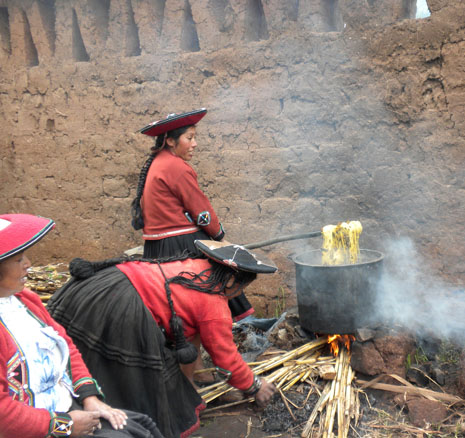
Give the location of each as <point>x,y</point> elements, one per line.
<point>216,336</point>
<point>16,418</point>
<point>186,189</point>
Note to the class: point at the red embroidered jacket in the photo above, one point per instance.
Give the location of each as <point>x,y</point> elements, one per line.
<point>18,416</point>
<point>171,190</point>
<point>206,314</point>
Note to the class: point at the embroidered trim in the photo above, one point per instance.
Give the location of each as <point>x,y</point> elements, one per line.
<point>220,234</point>
<point>18,374</point>
<point>61,425</point>
<point>204,218</point>
<point>169,233</point>
<point>87,381</point>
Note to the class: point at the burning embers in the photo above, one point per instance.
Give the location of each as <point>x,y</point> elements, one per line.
<point>335,341</point>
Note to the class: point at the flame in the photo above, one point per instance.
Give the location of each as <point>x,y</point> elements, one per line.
<point>335,341</point>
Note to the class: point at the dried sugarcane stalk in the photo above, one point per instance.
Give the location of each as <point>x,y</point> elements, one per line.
<point>280,376</point>
<point>338,398</point>
<point>320,403</point>
<point>286,404</point>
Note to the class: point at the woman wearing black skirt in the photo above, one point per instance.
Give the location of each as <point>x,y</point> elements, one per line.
<point>169,205</point>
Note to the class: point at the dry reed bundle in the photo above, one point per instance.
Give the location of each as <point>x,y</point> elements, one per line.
<point>338,404</point>
<point>339,400</point>
<point>47,279</point>
<point>285,369</point>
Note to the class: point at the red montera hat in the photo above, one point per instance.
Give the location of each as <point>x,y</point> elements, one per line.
<point>173,121</point>
<point>20,231</point>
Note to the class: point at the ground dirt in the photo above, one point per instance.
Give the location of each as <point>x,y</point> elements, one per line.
<point>383,414</point>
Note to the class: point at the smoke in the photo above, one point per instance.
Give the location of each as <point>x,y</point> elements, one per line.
<point>409,296</point>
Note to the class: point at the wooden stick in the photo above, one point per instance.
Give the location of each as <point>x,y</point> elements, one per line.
<point>321,401</point>
<point>410,390</point>
<point>287,404</point>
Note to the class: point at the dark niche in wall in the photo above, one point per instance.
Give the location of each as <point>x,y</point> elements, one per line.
<point>78,47</point>
<point>30,50</point>
<point>5,39</point>
<point>332,15</point>
<point>255,25</point>
<point>293,9</point>
<point>100,10</point>
<point>409,9</point>
<point>222,13</point>
<point>189,37</point>
<point>47,13</point>
<point>132,46</point>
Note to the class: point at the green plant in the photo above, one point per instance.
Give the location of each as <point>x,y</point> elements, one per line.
<point>418,358</point>
<point>449,353</point>
<point>280,302</point>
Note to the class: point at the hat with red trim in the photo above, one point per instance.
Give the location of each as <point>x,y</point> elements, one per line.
<point>173,121</point>
<point>20,231</point>
<point>235,256</point>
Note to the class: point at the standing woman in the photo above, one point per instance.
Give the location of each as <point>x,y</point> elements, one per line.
<point>169,206</point>
<point>46,389</point>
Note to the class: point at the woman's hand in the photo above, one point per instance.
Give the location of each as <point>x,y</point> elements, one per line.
<point>116,417</point>
<point>266,391</point>
<point>84,422</point>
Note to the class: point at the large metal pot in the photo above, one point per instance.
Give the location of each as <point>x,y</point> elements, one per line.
<point>336,299</point>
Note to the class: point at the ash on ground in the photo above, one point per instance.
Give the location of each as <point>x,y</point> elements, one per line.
<point>276,417</point>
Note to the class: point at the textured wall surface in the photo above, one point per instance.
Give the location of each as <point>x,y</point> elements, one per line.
<point>319,111</point>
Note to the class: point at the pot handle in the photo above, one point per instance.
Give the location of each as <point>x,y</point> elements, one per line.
<point>282,239</point>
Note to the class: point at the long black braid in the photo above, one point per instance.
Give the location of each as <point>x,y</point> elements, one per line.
<point>137,221</point>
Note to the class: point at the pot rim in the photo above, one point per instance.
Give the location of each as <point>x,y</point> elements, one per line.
<point>379,256</point>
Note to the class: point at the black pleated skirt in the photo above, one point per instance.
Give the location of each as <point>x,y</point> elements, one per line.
<point>126,351</point>
<point>183,245</point>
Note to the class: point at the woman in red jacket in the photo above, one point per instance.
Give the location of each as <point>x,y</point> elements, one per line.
<point>185,297</point>
<point>169,204</point>
<point>46,389</point>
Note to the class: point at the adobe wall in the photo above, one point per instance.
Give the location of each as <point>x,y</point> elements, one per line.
<point>319,111</point>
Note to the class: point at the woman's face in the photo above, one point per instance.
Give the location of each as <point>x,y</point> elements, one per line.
<point>185,145</point>
<point>233,289</point>
<point>13,273</point>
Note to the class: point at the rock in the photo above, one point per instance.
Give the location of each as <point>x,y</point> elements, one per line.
<point>423,413</point>
<point>366,359</point>
<point>394,348</point>
<point>419,374</point>
<point>438,376</point>
<point>364,334</point>
<point>386,354</point>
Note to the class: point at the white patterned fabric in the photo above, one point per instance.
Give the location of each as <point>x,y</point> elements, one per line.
<point>45,352</point>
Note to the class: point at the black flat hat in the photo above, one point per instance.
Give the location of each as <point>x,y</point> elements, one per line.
<point>173,121</point>
<point>235,256</point>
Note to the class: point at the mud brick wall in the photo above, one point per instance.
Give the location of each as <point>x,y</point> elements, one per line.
<point>319,111</point>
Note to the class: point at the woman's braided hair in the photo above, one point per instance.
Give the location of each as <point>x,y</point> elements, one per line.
<point>136,209</point>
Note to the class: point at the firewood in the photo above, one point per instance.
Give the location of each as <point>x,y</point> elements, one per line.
<point>327,372</point>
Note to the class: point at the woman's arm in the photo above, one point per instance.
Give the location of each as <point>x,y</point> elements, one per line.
<point>187,190</point>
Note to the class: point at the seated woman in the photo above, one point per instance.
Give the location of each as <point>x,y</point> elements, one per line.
<point>45,388</point>
<point>112,314</point>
